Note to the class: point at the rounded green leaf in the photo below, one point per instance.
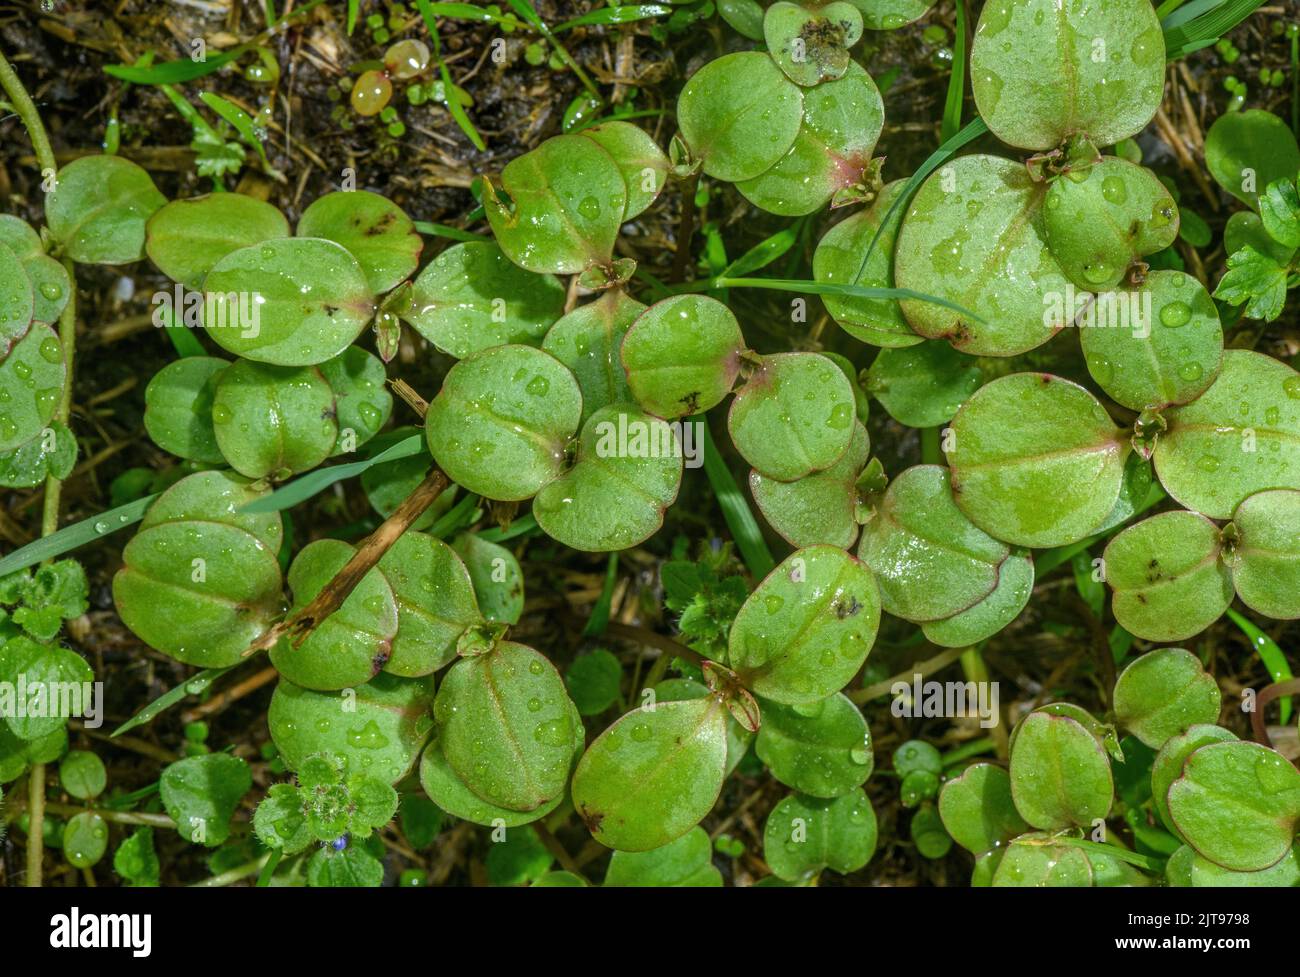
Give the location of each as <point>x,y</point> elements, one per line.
<point>200,581</point>
<point>653,775</point>
<point>1168,763</point>
<point>838,261</point>
<point>1060,774</point>
<point>682,355</point>
<point>688,861</point>
<point>48,279</point>
<point>587,341</point>
<point>1283,875</point>
<point>362,403</point>
<point>447,790</point>
<point>812,45</point>
<point>82,775</point>
<point>1239,437</point>
<point>1102,219</point>
<point>85,839</point>
<point>498,579</point>
<point>1168,576</point>
<point>372,228</point>
<point>930,561</point>
<point>354,643</point>
<point>888,15</point>
<point>472,297</point>
<point>923,385</point>
<point>1162,694</point>
<point>378,727</point>
<point>17,300</point>
<point>1237,804</point>
<point>273,420</point>
<point>501,424</point>
<point>594,681</point>
<point>31,383</point>
<point>288,301</point>
<point>1265,559</point>
<point>822,749</point>
<point>993,613</point>
<point>842,120</point>
<point>31,463</point>
<point>1035,460</point>
<point>1246,151</point>
<point>807,628</point>
<point>99,207</point>
<point>804,835</point>
<point>435,603</point>
<point>51,286</point>
<point>1042,72</point>
<point>974,237</point>
<point>1036,860</point>
<point>506,726</point>
<point>625,475</point>
<point>186,238</point>
<point>1169,355</point>
<point>977,808</point>
<point>818,508</point>
<point>638,157</point>
<point>178,408</point>
<point>565,204</point>
<point>739,114</point>
<point>793,416</point>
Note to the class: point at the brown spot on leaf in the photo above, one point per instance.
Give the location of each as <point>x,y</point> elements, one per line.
<point>846,607</point>
<point>592,819</point>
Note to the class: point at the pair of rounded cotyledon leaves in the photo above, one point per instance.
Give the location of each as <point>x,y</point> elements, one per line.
<point>1234,805</point>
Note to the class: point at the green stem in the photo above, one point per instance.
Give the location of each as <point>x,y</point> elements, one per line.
<point>268,870</point>
<point>1148,862</point>
<point>22,104</point>
<point>973,667</point>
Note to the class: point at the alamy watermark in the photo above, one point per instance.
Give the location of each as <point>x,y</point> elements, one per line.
<point>52,700</point>
<point>635,437</point>
<point>1099,310</point>
<point>211,310</point>
<point>947,700</point>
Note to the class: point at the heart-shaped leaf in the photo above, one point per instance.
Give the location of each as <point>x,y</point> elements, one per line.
<point>739,115</point>
<point>1265,558</point>
<point>287,302</point>
<point>1239,437</point>
<point>977,809</point>
<point>506,726</point>
<point>682,355</point>
<point>1169,355</point>
<point>1168,763</point>
<point>625,475</point>
<point>186,238</point>
<point>273,420</point>
<point>653,775</point>
<point>822,749</point>
<point>435,603</point>
<point>1162,694</point>
<point>930,561</point>
<point>502,421</point>
<point>31,383</point>
<point>178,408</point>
<point>566,200</point>
<point>350,646</point>
<point>818,508</point>
<point>1168,576</point>
<point>497,577</point>
<point>587,341</point>
<point>201,793</point>
<point>379,727</point>
<point>1246,151</point>
<point>638,157</point>
<point>372,228</point>
<point>812,45</point>
<point>993,613</point>
<point>98,209</point>
<point>1035,460</point>
<point>793,416</point>
<point>1037,860</point>
<point>1100,220</point>
<point>1237,804</point>
<point>1060,774</point>
<point>688,861</point>
<point>472,297</point>
<point>804,835</point>
<point>362,403</point>
<point>201,582</point>
<point>807,628</point>
<point>974,237</point>
<point>842,120</point>
<point>925,384</point>
<point>838,261</point>
<point>1041,73</point>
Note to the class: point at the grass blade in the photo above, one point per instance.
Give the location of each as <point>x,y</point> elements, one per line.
<point>444,230</point>
<point>595,626</point>
<point>78,534</point>
<point>952,104</point>
<point>735,510</point>
<point>1269,653</point>
<point>607,16</point>
<point>1205,26</point>
<point>195,685</point>
<point>311,484</point>
<point>848,291</point>
<point>764,253</point>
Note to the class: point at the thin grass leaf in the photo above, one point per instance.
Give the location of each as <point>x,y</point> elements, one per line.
<point>1148,862</point>
<point>195,685</point>
<point>1269,653</point>
<point>78,534</point>
<point>241,121</point>
<point>465,11</point>
<point>615,15</point>
<point>735,510</point>
<point>183,339</point>
<point>952,104</point>
<point>458,517</point>
<point>445,230</point>
<point>174,72</point>
<point>595,626</point>
<point>764,253</point>
<point>354,10</point>
<point>1207,28</point>
<point>848,291</point>
<point>462,120</point>
<point>522,526</point>
<point>312,484</point>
